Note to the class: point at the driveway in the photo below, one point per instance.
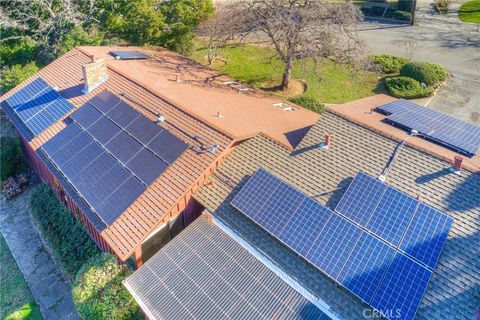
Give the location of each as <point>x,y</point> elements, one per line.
<point>455,45</point>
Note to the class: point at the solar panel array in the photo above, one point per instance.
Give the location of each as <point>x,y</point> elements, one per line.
<point>111,153</point>
<point>38,105</point>
<point>129,55</point>
<point>380,244</point>
<point>457,134</point>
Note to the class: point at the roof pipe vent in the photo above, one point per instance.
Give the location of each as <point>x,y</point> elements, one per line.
<point>212,149</point>
<point>178,77</point>
<point>160,119</point>
<point>326,144</point>
<point>457,165</point>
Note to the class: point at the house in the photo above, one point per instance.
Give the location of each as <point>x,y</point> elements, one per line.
<point>220,134</point>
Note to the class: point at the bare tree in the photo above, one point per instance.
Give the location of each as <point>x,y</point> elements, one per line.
<point>300,29</point>
<point>225,26</point>
<point>411,49</point>
<point>43,20</point>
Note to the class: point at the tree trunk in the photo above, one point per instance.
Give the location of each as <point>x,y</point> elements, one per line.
<point>287,74</point>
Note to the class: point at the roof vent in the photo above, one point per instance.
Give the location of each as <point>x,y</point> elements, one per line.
<point>237,85</point>
<point>213,149</point>
<point>160,119</point>
<point>326,144</point>
<point>457,165</point>
<point>285,106</point>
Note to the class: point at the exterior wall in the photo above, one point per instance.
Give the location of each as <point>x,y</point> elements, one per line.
<point>42,171</point>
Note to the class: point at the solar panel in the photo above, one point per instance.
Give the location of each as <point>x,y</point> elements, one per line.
<point>143,129</point>
<point>129,55</point>
<point>392,216</point>
<point>333,245</point>
<point>303,228</point>
<point>402,288</point>
<point>167,146</point>
<point>454,133</point>
<point>121,199</point>
<point>106,161</point>
<point>123,147</point>
<point>365,267</point>
<point>122,114</point>
<point>103,130</point>
<point>104,101</point>
<point>357,205</point>
<point>86,115</point>
<point>426,235</point>
<point>367,258</point>
<point>146,167</point>
<point>38,106</point>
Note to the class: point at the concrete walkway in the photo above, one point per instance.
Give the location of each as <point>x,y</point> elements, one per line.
<point>49,289</point>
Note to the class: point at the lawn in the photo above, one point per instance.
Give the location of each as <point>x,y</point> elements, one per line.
<point>470,11</point>
<point>16,302</point>
<point>260,67</point>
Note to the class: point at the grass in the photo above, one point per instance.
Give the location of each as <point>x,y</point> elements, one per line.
<point>260,67</point>
<point>470,11</point>
<point>16,302</point>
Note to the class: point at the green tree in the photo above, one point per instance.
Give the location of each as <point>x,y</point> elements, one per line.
<point>182,17</point>
<point>136,21</point>
<point>11,76</point>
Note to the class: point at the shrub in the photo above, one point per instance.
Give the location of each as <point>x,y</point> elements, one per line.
<point>389,64</point>
<point>402,15</point>
<point>377,11</point>
<point>10,77</point>
<point>428,73</point>
<point>66,235</point>
<point>12,161</point>
<point>407,88</point>
<point>98,292</point>
<point>309,103</point>
<point>405,5</point>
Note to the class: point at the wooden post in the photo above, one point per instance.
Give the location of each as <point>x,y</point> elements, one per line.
<point>138,256</point>
<point>414,8</point>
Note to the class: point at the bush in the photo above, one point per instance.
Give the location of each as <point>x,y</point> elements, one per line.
<point>98,292</point>
<point>402,15</point>
<point>10,77</point>
<point>428,73</point>
<point>407,88</point>
<point>12,161</point>
<point>389,64</point>
<point>377,11</point>
<point>66,235</point>
<point>309,103</point>
<point>405,5</point>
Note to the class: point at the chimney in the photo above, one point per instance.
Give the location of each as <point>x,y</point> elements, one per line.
<point>178,77</point>
<point>457,164</point>
<point>94,74</point>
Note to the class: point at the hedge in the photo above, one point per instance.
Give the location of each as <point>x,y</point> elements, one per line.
<point>388,63</point>
<point>428,73</point>
<point>309,103</point>
<point>402,15</point>
<point>12,161</point>
<point>407,88</point>
<point>71,244</point>
<point>98,292</point>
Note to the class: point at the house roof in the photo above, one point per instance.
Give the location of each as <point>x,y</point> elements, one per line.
<point>362,111</point>
<point>161,198</point>
<point>453,290</point>
<point>203,93</point>
<point>204,273</point>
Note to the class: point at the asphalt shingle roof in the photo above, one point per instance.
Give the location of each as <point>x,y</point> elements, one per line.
<point>454,290</point>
